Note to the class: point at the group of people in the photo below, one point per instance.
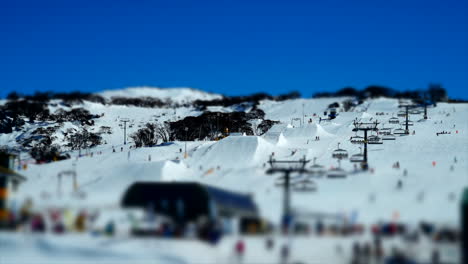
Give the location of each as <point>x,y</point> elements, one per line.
<point>55,220</point>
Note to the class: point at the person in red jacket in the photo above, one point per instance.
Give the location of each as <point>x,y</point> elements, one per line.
<point>240,250</point>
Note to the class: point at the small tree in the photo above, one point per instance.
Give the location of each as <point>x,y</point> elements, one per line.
<point>151,134</point>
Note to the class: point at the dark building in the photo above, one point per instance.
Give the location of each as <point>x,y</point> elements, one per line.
<point>185,201</point>
<point>7,178</point>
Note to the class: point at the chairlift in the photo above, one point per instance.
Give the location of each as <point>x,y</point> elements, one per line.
<point>385,131</point>
<point>401,114</point>
<point>305,185</point>
<point>336,172</point>
<point>357,140</point>
<point>399,132</point>
<point>415,112</point>
<point>388,137</point>
<point>317,170</point>
<point>340,153</point>
<point>357,157</point>
<point>394,120</point>
<point>374,140</point>
<point>410,123</point>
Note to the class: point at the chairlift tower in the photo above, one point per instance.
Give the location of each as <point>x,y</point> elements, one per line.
<point>286,171</point>
<point>125,121</point>
<point>361,126</point>
<point>407,107</point>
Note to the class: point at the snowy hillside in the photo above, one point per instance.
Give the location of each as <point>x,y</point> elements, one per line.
<point>176,94</point>
<point>432,166</point>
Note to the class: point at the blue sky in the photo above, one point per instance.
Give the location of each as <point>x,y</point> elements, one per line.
<point>233,47</point>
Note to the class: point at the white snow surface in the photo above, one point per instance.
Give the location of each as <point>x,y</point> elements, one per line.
<point>176,94</point>
<point>239,163</point>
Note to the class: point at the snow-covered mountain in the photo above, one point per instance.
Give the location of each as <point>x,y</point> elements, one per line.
<point>176,94</point>
<point>433,167</point>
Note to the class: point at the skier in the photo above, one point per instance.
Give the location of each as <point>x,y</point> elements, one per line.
<point>149,157</point>
<point>399,184</point>
<point>284,254</point>
<point>269,244</point>
<point>405,172</point>
<point>240,249</point>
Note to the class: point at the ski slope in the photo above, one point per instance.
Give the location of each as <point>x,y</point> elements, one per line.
<point>239,163</point>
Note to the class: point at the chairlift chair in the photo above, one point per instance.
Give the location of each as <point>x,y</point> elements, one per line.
<point>410,123</point>
<point>401,114</point>
<point>374,140</point>
<point>336,173</point>
<point>399,132</point>
<point>357,140</point>
<point>357,157</point>
<point>388,137</point>
<point>394,120</point>
<point>415,112</point>
<point>385,131</point>
<point>340,153</point>
<point>305,185</point>
<point>317,170</point>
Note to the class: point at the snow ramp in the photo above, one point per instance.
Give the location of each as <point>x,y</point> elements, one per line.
<point>308,131</point>
<point>235,152</point>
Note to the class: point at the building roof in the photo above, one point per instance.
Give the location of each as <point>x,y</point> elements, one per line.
<point>198,200</point>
